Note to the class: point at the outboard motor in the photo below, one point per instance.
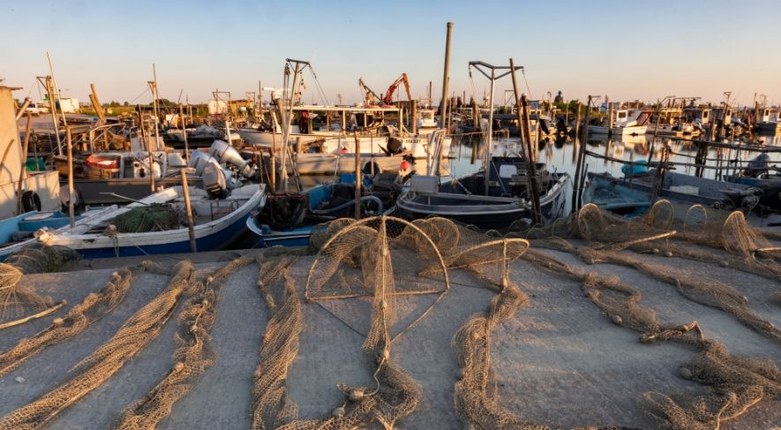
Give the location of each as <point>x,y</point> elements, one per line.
<point>225,153</point>
<point>394,146</point>
<point>215,181</point>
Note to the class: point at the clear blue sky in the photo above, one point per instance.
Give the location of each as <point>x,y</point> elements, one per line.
<point>623,49</point>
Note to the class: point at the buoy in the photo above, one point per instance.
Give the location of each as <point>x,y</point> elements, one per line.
<point>356,394</point>
<point>178,367</point>
<point>655,250</point>
<point>668,253</point>
<point>338,412</point>
<point>685,372</point>
<point>724,263</point>
<point>58,322</point>
<point>617,320</point>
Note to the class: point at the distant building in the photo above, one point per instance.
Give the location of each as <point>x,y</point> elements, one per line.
<point>65,104</point>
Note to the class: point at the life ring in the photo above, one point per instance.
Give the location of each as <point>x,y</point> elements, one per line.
<point>31,201</point>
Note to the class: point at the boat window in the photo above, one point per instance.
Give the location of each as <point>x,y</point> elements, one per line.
<point>507,171</point>
<point>621,115</point>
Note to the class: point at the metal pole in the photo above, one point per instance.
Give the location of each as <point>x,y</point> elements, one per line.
<point>154,104</point>
<point>489,142</point>
<point>445,78</point>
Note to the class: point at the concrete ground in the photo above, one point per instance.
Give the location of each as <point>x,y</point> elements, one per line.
<point>558,362</point>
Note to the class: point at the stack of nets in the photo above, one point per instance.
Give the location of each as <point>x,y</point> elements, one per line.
<point>155,217</point>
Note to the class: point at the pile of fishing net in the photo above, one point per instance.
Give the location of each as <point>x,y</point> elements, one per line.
<point>154,217</point>
<point>733,384</point>
<point>16,299</point>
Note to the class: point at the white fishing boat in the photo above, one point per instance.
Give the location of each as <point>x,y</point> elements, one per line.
<point>217,223</point>
<point>625,122</point>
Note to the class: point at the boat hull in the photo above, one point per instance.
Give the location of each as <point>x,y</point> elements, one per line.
<point>676,187</point>
<point>487,213</point>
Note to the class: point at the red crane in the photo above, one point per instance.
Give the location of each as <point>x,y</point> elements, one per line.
<point>388,99</point>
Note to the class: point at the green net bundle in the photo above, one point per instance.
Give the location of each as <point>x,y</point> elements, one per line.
<point>154,217</point>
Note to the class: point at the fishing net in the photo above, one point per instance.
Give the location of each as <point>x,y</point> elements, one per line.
<point>193,355</point>
<point>18,302</point>
<point>475,402</point>
<point>271,406</point>
<point>92,308</point>
<point>42,258</point>
<point>134,335</point>
<point>356,260</point>
<point>155,217</point>
<point>733,384</point>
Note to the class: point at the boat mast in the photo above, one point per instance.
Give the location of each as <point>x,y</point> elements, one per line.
<point>483,68</point>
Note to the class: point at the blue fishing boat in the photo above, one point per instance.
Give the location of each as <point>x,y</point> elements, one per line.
<point>289,219</point>
<point>18,232</point>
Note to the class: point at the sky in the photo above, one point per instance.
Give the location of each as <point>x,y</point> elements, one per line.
<point>625,50</point>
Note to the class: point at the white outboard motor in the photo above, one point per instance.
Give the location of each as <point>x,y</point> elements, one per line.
<point>225,153</point>
<point>209,169</point>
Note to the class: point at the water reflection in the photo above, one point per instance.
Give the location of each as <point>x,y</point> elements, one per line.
<point>560,154</point>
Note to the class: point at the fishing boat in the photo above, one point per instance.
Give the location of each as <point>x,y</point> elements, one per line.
<point>289,219</point>
<point>624,122</point>
<point>761,175</point>
<point>508,192</point>
<point>329,147</point>
<point>632,194</point>
<point>18,232</point>
<point>120,232</point>
<point>502,201</point>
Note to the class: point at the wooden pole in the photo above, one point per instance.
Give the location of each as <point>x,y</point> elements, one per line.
<point>53,110</point>
<point>445,77</point>
<point>522,103</point>
<point>184,134</point>
<point>71,191</point>
<point>273,162</point>
<point>357,176</point>
<point>28,129</point>
<point>576,136</point>
<point>188,211</point>
<point>579,163</point>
